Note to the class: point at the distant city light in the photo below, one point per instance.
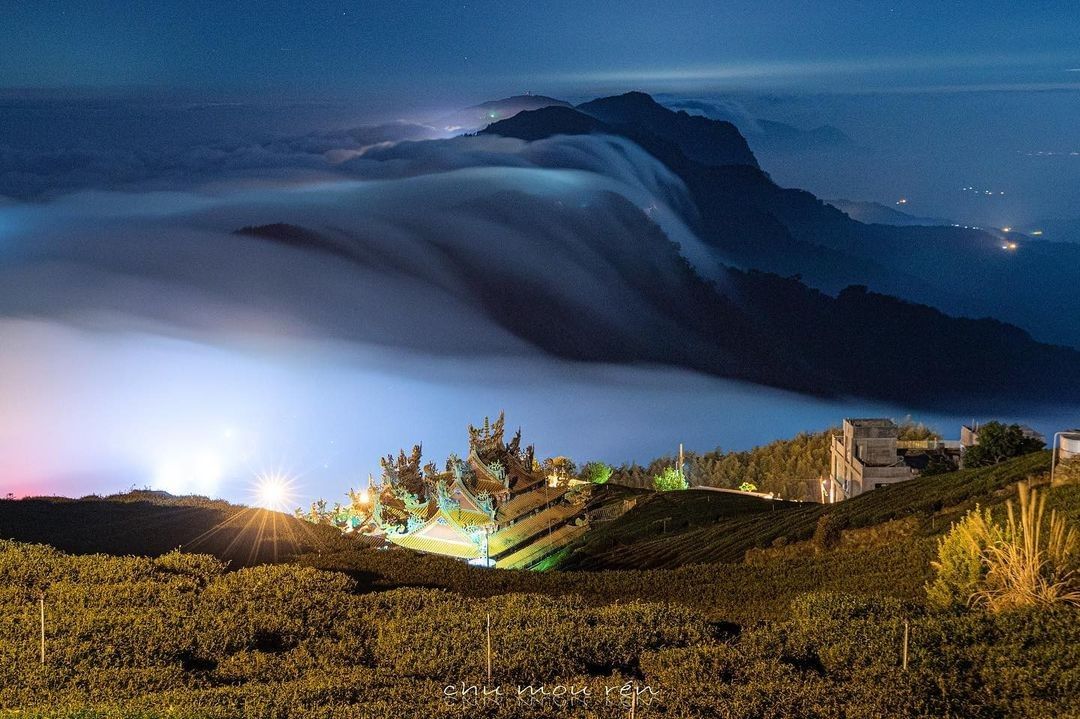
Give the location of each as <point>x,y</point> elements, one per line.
<point>169,477</point>
<point>207,474</point>
<point>902,201</point>
<point>1037,233</point>
<point>1009,246</point>
<point>981,191</point>
<point>1006,229</point>
<point>200,474</point>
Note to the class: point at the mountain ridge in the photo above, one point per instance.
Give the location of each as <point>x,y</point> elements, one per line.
<point>756,224</point>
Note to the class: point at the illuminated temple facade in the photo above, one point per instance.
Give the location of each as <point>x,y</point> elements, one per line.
<point>493,508</point>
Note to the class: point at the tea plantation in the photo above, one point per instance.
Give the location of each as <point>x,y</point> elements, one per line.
<point>798,611</point>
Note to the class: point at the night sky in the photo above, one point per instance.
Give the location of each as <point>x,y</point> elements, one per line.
<point>405,48</point>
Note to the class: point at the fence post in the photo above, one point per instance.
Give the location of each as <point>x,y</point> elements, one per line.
<point>907,631</point>
<point>41,605</point>
<point>489,648</point>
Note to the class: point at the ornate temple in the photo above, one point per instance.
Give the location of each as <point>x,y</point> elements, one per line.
<point>494,507</point>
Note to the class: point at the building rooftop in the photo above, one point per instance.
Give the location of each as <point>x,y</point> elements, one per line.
<point>870,422</point>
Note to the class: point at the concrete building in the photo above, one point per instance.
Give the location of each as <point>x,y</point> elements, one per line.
<point>864,457</point>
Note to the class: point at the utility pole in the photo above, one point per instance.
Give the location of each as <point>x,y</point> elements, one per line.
<point>682,470</point>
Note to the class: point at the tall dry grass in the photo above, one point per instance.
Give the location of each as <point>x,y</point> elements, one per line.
<point>1031,560</point>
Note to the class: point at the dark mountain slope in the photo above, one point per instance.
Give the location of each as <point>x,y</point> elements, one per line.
<point>477,116</point>
<point>712,142</point>
<point>148,524</point>
<point>517,103</point>
<point>756,224</point>
<point>654,307</point>
<point>537,124</point>
<point>869,340</point>
<point>751,326</point>
<point>744,215</point>
<point>859,343</point>
<point>878,214</point>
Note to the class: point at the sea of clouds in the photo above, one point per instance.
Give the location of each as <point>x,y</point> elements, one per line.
<point>142,336</point>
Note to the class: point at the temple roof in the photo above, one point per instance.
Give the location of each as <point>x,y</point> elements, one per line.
<point>491,486</point>
<point>432,545</point>
<point>519,477</point>
<point>529,554</point>
<point>526,529</point>
<point>526,502</point>
<point>466,517</point>
<point>441,534</point>
<point>497,490</point>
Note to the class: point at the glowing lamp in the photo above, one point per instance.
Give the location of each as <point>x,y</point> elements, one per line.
<point>273,491</point>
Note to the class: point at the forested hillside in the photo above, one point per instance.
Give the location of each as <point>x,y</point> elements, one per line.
<point>788,468</point>
<point>785,467</point>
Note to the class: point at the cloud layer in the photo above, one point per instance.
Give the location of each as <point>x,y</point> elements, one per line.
<point>418,224</point>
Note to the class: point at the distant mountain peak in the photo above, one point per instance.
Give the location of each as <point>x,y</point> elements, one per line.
<point>631,108</point>
<point>641,118</point>
<point>471,119</point>
<point>636,97</point>
<point>704,140</point>
<point>533,125</point>
<point>526,101</point>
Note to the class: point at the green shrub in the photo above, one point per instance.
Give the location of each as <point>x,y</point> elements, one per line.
<point>201,567</point>
<point>670,479</point>
<point>828,530</point>
<point>999,442</point>
<point>596,472</point>
<point>959,566</point>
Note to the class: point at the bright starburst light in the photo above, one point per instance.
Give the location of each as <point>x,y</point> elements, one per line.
<point>274,490</point>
